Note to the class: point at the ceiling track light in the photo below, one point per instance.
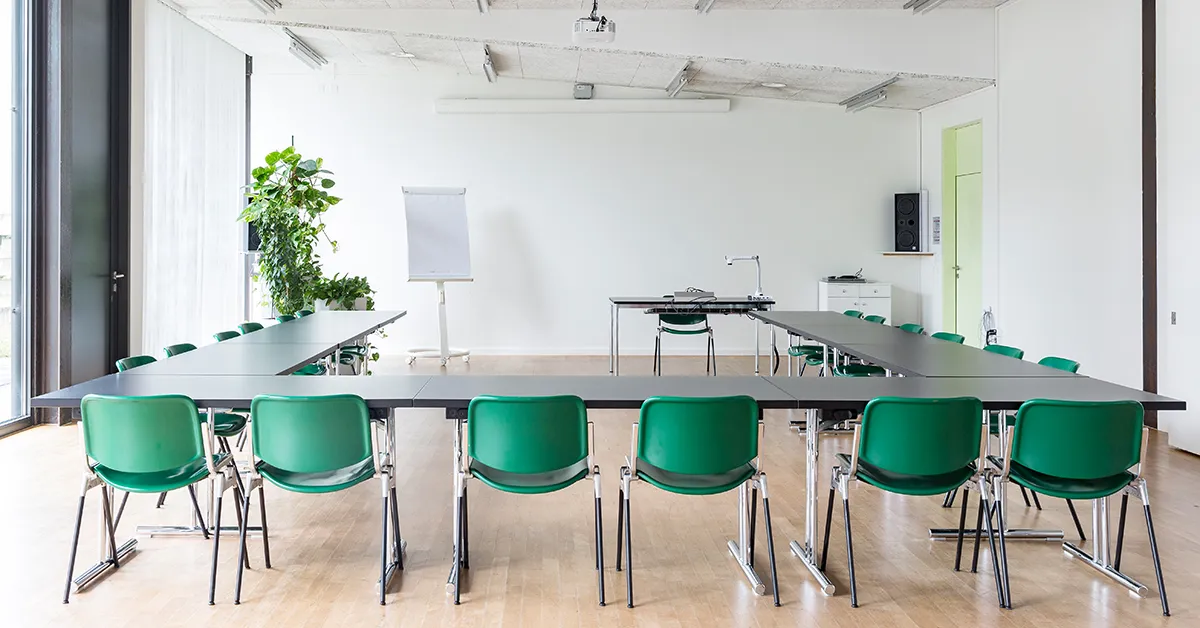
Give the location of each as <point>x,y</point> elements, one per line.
<point>868,98</point>
<point>681,79</point>
<point>267,6</point>
<point>484,6</point>
<point>704,6</point>
<point>304,52</point>
<point>923,6</point>
<point>489,69</point>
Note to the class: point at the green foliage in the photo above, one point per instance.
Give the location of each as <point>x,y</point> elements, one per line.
<point>287,199</point>
<point>344,290</point>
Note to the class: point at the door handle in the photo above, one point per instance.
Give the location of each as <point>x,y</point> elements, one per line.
<point>117,275</point>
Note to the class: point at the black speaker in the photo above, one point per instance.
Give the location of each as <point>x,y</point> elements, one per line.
<point>908,222</point>
<point>253,240</point>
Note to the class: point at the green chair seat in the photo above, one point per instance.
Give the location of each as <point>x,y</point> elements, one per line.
<point>803,351</point>
<point>157,482</point>
<point>684,332</point>
<point>859,370</point>
<point>1065,488</point>
<point>689,484</point>
<point>227,425</point>
<point>530,483</point>
<point>320,481</point>
<point>311,369</point>
<point>919,485</point>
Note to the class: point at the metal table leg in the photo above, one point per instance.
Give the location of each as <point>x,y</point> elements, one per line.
<point>807,552</point>
<point>452,582</point>
<point>616,339</point>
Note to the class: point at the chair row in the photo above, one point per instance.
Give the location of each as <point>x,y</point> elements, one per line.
<point>689,446</point>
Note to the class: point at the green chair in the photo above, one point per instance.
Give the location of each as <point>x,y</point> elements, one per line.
<point>684,325</point>
<point>913,328</point>
<point>859,370</point>
<point>525,446</point>
<point>175,350</point>
<point>1062,364</point>
<point>1081,450</point>
<point>945,335</point>
<point>699,446</point>
<point>222,336</point>
<point>303,313</point>
<point>317,445</point>
<point>133,361</point>
<point>875,318</point>
<point>853,313</point>
<point>147,445</point>
<point>246,328</point>
<point>915,447</point>
<point>283,318</point>
<point>1005,350</point>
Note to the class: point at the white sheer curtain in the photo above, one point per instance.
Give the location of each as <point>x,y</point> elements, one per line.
<point>195,133</point>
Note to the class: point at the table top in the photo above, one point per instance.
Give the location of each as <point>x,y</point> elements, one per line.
<point>209,391</point>
<point>329,327</point>
<point>600,392</point>
<point>852,393</point>
<point>913,355</point>
<point>713,302</point>
<point>238,359</point>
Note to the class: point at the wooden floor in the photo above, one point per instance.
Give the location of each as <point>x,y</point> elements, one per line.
<point>531,562</point>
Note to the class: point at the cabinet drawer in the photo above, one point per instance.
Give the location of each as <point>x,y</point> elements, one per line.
<point>843,290</point>
<point>872,290</point>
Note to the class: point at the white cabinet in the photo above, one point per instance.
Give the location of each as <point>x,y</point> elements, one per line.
<point>870,298</point>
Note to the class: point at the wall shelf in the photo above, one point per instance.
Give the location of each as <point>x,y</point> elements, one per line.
<point>907,254</point>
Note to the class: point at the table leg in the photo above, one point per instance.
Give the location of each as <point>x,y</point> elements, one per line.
<point>807,552</point>
<point>756,347</point>
<point>452,582</point>
<point>616,340</point>
<point>612,335</point>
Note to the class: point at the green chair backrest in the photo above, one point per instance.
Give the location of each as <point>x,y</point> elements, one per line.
<point>527,435</point>
<point>303,313</point>
<point>222,336</point>
<point>246,328</point>
<point>853,313</point>
<point>1078,440</point>
<point>913,328</point>
<point>1062,364</point>
<point>175,350</point>
<point>133,361</point>
<point>698,435</point>
<point>1011,352</point>
<point>283,318</point>
<point>310,434</point>
<point>921,436</point>
<point>681,320</point>
<point>945,335</point>
<point>875,318</point>
<point>141,434</point>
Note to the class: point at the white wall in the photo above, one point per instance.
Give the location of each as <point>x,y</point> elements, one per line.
<point>977,107</point>
<point>1178,216</point>
<point>1069,255</point>
<point>567,210</point>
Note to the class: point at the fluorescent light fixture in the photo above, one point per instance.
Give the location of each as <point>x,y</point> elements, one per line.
<point>774,85</point>
<point>267,6</point>
<point>677,83</point>
<point>704,6</point>
<point>304,52</point>
<point>489,69</point>
<point>868,98</point>
<point>403,55</point>
<point>484,6</point>
<point>923,6</point>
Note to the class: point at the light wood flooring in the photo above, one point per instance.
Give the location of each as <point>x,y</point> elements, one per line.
<point>531,562</point>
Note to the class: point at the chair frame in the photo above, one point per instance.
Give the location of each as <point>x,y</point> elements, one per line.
<point>742,549</point>
<point>220,477</point>
<point>710,357</point>
<point>840,484</point>
<point>383,459</point>
<point>462,473</point>
<point>1103,562</point>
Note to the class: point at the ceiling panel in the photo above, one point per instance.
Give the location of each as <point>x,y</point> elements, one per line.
<point>608,68</point>
<point>547,63</point>
<point>657,72</point>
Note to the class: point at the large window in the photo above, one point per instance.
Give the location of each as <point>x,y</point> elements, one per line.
<point>14,152</point>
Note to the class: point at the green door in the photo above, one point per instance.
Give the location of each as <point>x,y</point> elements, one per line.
<point>962,231</point>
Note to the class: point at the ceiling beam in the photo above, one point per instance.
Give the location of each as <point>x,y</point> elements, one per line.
<point>868,98</point>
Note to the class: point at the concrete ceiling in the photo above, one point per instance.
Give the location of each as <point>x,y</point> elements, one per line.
<point>324,25</point>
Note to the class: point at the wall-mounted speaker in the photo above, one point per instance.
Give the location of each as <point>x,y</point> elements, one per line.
<point>908,222</point>
<point>253,241</point>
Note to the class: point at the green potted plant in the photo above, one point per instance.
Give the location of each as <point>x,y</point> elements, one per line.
<point>288,197</point>
<point>343,292</point>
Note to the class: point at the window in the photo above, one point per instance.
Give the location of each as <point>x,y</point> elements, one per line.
<point>14,211</point>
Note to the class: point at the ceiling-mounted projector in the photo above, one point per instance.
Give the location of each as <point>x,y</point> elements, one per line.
<point>594,29</point>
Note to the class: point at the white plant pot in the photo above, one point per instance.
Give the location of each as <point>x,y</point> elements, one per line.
<point>320,306</point>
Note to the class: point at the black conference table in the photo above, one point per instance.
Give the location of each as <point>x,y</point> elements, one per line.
<point>670,305</point>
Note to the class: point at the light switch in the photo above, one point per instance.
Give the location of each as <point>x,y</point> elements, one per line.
<point>1172,318</point>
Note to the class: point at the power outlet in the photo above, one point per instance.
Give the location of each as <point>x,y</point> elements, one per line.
<point>1172,318</point>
